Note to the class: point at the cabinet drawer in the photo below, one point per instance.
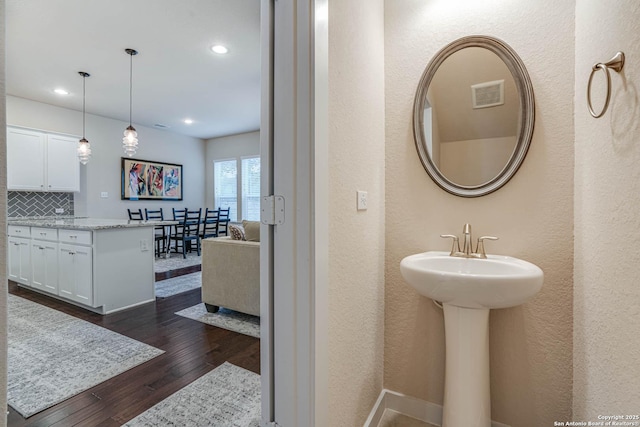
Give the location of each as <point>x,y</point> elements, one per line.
<point>44,233</point>
<point>80,237</point>
<point>19,231</point>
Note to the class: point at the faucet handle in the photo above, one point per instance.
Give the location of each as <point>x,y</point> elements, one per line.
<point>456,243</point>
<point>480,247</point>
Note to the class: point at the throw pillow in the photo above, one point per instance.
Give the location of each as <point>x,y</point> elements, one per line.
<point>251,230</point>
<point>236,232</point>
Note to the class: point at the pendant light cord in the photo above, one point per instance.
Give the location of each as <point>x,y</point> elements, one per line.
<point>84,97</point>
<point>130,85</point>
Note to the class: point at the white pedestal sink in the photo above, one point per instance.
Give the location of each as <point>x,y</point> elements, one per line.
<point>468,288</point>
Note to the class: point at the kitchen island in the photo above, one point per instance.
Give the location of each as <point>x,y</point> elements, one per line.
<point>103,265</point>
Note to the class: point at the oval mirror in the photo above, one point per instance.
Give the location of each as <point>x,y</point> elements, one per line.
<point>473,116</point>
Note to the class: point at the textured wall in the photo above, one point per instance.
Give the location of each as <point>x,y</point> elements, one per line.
<point>607,211</point>
<point>356,239</point>
<point>531,345</point>
<point>3,224</point>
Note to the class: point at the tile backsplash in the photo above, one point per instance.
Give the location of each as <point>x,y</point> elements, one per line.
<point>26,203</point>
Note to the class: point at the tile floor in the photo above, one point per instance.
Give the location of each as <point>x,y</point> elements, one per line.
<point>392,418</point>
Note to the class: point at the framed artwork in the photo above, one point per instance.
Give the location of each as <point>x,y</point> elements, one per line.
<point>146,180</point>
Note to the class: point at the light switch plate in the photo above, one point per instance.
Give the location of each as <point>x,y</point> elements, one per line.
<point>59,210</point>
<point>104,194</point>
<point>362,200</point>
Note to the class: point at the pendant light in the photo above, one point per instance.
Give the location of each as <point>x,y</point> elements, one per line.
<point>84,148</point>
<point>130,140</point>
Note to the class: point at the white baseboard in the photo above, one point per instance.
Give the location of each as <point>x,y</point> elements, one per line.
<point>409,406</point>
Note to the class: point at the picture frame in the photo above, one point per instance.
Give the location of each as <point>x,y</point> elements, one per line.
<point>149,180</point>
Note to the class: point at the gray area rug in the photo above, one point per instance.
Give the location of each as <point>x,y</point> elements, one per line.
<point>226,319</point>
<point>178,285</point>
<point>53,356</point>
<point>176,261</point>
<point>228,396</point>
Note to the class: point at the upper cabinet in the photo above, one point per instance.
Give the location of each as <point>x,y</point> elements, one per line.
<point>40,161</point>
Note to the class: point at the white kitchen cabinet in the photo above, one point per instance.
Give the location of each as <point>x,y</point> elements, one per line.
<point>19,255</point>
<point>103,265</point>
<point>44,259</point>
<point>25,160</point>
<point>63,167</point>
<point>75,273</point>
<point>40,161</point>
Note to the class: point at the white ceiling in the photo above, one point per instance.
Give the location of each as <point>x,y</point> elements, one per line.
<point>175,74</point>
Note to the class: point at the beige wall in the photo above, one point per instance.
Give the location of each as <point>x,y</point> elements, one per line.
<point>356,238</point>
<point>457,119</point>
<point>607,211</point>
<point>475,161</point>
<point>531,345</point>
<point>3,225</point>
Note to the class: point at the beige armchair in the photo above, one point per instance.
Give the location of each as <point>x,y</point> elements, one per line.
<point>231,275</point>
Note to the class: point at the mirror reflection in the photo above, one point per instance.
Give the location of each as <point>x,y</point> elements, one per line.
<point>471,116</point>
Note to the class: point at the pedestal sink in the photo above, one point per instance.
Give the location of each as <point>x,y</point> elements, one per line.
<point>468,288</point>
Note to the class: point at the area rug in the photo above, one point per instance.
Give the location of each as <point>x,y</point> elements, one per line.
<point>224,318</point>
<point>178,285</point>
<point>53,356</point>
<point>176,261</point>
<point>227,396</point>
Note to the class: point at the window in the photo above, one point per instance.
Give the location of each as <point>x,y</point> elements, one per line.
<point>251,188</point>
<point>225,190</point>
<point>227,185</point>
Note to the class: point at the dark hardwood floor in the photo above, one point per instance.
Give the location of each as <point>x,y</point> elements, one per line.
<point>191,350</point>
<point>178,272</point>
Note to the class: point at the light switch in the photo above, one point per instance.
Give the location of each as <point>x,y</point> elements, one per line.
<point>59,210</point>
<point>362,200</point>
<point>104,194</point>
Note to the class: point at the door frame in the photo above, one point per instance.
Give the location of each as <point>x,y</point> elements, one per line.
<point>294,255</point>
<point>3,216</point>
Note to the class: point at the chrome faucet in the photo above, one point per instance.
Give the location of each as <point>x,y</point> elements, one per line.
<point>467,245</point>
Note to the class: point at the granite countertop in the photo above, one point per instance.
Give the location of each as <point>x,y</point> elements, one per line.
<point>85,223</point>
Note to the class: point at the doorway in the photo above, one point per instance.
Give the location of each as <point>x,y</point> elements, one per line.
<point>90,208</point>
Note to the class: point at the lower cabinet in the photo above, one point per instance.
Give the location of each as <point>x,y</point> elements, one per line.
<point>75,273</point>
<point>19,264</point>
<point>44,259</point>
<point>103,270</point>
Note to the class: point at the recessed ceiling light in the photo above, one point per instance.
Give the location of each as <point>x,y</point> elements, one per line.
<point>219,49</point>
<point>61,91</point>
<point>188,121</point>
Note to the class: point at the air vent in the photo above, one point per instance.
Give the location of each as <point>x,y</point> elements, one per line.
<point>488,94</point>
<point>161,126</point>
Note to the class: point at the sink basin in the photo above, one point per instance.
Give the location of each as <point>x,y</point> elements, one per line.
<point>468,289</point>
<point>496,282</point>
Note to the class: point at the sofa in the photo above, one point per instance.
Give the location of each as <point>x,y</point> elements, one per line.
<point>231,275</point>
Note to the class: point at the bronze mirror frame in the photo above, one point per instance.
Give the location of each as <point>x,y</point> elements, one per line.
<point>525,127</point>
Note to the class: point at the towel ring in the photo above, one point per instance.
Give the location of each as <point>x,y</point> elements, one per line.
<point>616,63</point>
